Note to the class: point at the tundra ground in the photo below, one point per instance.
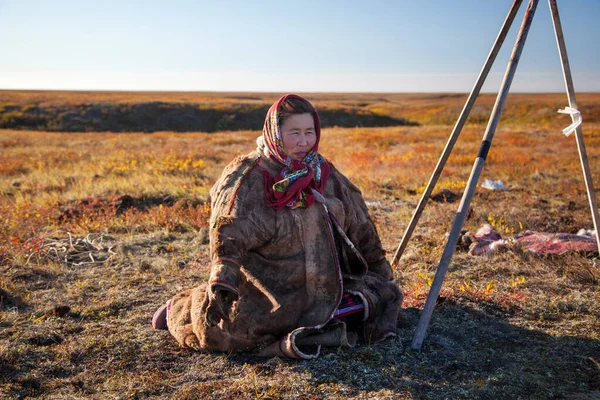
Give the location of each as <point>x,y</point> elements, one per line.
<point>99,229</point>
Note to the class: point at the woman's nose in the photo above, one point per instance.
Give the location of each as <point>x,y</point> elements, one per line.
<point>303,140</point>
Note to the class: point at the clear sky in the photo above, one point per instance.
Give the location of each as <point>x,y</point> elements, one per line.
<point>282,46</point>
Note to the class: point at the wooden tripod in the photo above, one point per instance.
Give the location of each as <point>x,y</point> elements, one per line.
<point>486,143</point>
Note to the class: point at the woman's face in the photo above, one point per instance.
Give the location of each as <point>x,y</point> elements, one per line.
<point>298,135</point>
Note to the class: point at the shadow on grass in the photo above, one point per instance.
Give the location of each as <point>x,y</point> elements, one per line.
<point>9,300</point>
<point>470,352</point>
<point>467,354</point>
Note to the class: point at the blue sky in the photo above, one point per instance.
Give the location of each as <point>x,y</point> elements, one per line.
<point>280,46</point>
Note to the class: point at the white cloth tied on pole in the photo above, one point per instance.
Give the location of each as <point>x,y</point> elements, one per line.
<point>575,115</point>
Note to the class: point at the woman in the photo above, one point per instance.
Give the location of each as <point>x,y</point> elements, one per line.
<point>296,260</point>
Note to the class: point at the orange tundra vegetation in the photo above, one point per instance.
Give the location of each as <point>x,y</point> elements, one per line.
<point>136,183</point>
<point>110,224</point>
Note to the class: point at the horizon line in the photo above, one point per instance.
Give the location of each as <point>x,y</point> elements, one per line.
<point>277,92</point>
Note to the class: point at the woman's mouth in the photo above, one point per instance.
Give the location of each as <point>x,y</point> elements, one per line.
<point>299,154</point>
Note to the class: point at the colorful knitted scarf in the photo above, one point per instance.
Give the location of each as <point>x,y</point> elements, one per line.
<point>292,188</point>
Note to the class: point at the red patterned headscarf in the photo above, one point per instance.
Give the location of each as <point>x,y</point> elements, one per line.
<point>292,188</point>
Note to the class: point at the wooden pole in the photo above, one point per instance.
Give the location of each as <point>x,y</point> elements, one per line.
<point>562,51</point>
<point>461,214</point>
<point>456,131</point>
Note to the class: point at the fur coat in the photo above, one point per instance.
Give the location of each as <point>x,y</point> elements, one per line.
<point>283,272</point>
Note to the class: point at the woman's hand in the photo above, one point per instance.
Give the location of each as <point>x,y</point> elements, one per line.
<point>219,305</point>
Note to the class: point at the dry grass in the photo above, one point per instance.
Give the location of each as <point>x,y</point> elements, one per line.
<point>98,229</point>
<point>343,108</point>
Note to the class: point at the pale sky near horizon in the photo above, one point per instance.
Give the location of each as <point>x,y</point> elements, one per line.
<point>284,46</point>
